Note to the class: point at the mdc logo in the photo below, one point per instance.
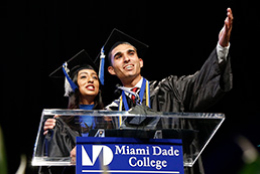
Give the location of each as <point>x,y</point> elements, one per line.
<point>104,153</point>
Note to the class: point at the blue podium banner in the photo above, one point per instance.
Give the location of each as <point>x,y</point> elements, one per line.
<point>128,155</point>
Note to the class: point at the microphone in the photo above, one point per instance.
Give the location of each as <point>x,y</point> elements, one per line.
<point>137,98</point>
<point>117,91</point>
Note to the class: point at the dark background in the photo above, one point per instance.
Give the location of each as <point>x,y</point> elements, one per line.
<point>38,36</point>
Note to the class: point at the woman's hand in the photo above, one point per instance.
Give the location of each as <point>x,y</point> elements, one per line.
<point>49,124</point>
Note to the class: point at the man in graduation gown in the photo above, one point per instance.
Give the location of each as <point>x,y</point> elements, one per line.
<point>193,93</point>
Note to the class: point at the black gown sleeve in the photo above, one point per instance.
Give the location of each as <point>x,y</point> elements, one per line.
<point>62,140</point>
<point>208,85</point>
<point>196,92</point>
<point>58,143</point>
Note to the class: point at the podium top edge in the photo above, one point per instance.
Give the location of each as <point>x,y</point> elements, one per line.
<point>71,112</point>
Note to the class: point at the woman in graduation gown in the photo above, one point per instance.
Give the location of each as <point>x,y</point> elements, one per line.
<point>83,87</point>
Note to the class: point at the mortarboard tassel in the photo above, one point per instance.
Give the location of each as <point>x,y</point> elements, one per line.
<point>101,67</point>
<point>69,85</point>
<point>67,88</point>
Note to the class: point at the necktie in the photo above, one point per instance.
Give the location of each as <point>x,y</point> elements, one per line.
<point>133,96</point>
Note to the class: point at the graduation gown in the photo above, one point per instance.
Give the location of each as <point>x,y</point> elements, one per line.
<point>60,141</point>
<point>191,93</point>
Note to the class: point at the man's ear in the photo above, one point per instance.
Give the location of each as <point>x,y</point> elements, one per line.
<point>111,70</point>
<point>141,62</point>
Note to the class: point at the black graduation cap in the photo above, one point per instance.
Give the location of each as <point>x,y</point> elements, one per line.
<point>117,37</point>
<point>79,61</point>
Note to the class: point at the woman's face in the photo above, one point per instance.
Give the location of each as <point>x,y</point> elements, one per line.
<point>88,83</point>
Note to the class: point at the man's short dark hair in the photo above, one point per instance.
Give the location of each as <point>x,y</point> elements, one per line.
<point>115,45</point>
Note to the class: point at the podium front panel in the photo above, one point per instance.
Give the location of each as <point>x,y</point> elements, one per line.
<point>53,149</point>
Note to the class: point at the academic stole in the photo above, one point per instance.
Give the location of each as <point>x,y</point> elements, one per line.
<point>144,88</point>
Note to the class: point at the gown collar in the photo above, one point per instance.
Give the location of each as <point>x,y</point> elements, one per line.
<point>86,107</point>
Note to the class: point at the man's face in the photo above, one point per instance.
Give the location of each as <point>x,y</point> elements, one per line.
<point>125,62</point>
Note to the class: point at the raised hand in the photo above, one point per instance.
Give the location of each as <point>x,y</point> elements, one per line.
<point>225,32</point>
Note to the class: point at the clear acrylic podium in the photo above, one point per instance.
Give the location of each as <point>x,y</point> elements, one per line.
<point>195,129</point>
